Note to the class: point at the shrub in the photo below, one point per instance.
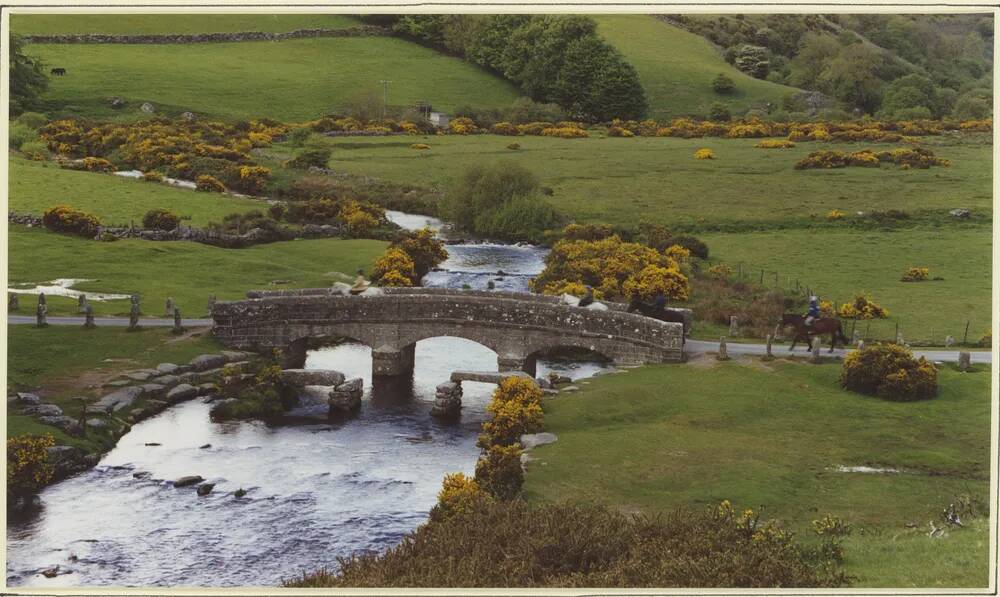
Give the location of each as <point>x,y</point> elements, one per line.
<point>152,176</point>
<point>423,248</point>
<point>565,132</point>
<point>299,136</point>
<point>862,307</point>
<point>514,146</point>
<point>617,131</point>
<point>504,128</point>
<point>276,211</point>
<point>987,340</point>
<point>561,287</point>
<point>533,128</point>
<point>653,280</point>
<point>98,165</point>
<point>420,146</point>
<point>32,120</point>
<point>516,409</point>
<point>499,472</point>
<point>916,274</point>
<point>459,495</point>
<point>774,144</point>
<point>160,219</point>
<point>63,218</point>
<point>253,179</point>
<point>252,403</point>
<point>613,267</point>
<point>35,150</point>
<point>835,214</point>
<point>462,126</point>
<point>209,184</point>
<point>394,268</point>
<point>723,84</point>
<point>695,245</point>
<point>28,466</point>
<point>359,219</point>
<point>719,112</point>
<point>720,271</point>
<point>704,154</point>
<point>19,135</point>
<point>310,158</point>
<point>519,544</point>
<point>889,371</point>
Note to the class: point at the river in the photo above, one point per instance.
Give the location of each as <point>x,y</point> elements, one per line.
<point>316,488</point>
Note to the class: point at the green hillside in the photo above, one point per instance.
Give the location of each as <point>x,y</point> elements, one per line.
<point>142,24</point>
<point>677,68</point>
<point>290,80</point>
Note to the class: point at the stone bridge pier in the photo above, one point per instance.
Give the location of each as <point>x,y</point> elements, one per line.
<point>516,326</point>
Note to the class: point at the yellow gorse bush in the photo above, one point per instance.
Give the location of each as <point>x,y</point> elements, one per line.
<point>835,214</point>
<point>516,409</point>
<point>916,274</point>
<point>459,494</point>
<point>612,267</point>
<point>720,271</point>
<point>862,307</point>
<point>358,220</point>
<point>394,268</point>
<point>774,144</point>
<point>28,466</point>
<point>420,146</point>
<point>704,154</point>
<point>209,184</point>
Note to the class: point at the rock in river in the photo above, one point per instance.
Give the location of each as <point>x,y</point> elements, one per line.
<point>188,480</point>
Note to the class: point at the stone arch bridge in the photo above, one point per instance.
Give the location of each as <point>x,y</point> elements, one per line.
<point>516,326</point>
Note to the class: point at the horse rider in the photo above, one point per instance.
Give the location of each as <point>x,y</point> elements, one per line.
<point>813,313</point>
<point>360,284</point>
<point>588,298</point>
<point>660,302</point>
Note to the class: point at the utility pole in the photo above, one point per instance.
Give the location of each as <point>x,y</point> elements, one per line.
<point>385,97</point>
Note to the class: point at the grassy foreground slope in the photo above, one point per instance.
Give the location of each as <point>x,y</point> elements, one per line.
<point>677,67</point>
<point>188,272</point>
<point>292,80</point>
<point>37,186</point>
<point>772,436</point>
<point>165,24</point>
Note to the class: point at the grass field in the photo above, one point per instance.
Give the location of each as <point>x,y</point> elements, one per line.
<point>839,264</point>
<point>62,363</point>
<point>149,24</point>
<point>771,435</point>
<point>291,80</point>
<point>37,186</point>
<point>677,67</point>
<point>627,181</point>
<point>188,272</point>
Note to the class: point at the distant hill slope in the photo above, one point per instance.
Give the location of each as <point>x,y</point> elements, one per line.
<point>677,67</point>
<point>290,80</point>
<point>140,24</point>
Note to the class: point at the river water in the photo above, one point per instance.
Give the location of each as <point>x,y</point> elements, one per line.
<point>316,488</point>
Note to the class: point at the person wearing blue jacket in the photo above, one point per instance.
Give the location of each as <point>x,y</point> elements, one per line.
<point>813,313</point>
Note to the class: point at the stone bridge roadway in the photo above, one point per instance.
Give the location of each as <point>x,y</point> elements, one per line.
<point>515,326</point>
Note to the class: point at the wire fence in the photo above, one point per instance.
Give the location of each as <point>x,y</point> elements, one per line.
<point>969,333</point>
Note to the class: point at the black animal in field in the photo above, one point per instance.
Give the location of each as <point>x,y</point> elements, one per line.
<point>58,71</point>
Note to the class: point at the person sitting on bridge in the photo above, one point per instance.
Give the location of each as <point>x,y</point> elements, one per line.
<point>588,298</point>
<point>660,301</point>
<point>813,313</point>
<point>360,284</point>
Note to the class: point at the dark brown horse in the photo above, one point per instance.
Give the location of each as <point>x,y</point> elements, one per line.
<point>822,325</point>
<point>652,310</point>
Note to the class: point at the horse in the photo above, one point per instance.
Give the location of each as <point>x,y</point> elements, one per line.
<point>822,325</point>
<point>651,310</point>
<point>58,71</point>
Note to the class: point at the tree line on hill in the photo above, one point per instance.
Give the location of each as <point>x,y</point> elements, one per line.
<point>895,67</point>
<point>551,58</point>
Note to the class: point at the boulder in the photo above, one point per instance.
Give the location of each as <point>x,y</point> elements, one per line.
<point>119,399</point>
<point>960,213</point>
<point>147,108</point>
<point>156,406</point>
<point>487,376</point>
<point>67,424</point>
<point>188,116</point>
<point>154,390</point>
<point>44,410</point>
<point>531,440</point>
<point>167,368</point>
<point>116,102</point>
<point>208,361</point>
<point>28,398</point>
<point>181,392</point>
<point>205,488</point>
<point>139,375</point>
<point>167,381</point>
<point>346,397</point>
<point>237,355</point>
<point>188,480</point>
<point>97,423</point>
<point>311,377</point>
